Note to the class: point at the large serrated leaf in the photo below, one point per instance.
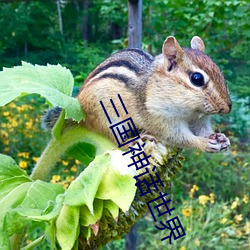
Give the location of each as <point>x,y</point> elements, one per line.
<point>53,82</point>
<point>21,197</point>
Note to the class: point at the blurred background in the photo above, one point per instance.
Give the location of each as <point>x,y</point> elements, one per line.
<point>211,194</point>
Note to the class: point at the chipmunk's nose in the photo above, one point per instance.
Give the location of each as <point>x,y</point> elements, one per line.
<point>227,108</point>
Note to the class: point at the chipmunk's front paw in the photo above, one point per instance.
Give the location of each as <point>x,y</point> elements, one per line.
<point>218,142</point>
<point>146,137</point>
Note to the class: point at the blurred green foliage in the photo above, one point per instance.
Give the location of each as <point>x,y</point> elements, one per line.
<point>30,32</point>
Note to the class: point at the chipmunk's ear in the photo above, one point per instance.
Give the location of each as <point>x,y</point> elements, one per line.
<point>171,49</point>
<point>197,43</point>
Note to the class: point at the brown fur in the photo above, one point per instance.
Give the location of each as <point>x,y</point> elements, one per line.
<point>158,94</point>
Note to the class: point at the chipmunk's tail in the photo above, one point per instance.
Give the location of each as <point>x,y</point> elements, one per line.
<point>50,118</point>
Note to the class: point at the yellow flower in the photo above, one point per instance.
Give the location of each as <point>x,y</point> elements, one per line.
<point>203,199</point>
<point>238,218</point>
<point>211,195</point>
<point>55,178</point>
<point>77,162</point>
<point>245,199</point>
<point>223,220</point>
<point>6,141</point>
<point>14,123</point>
<point>238,233</point>
<point>6,149</point>
<point>6,113</point>
<point>4,134</point>
<point>29,124</point>
<point>73,168</point>
<point>192,190</point>
<point>35,159</point>
<point>247,228</point>
<point>12,105</point>
<point>24,154</point>
<point>235,203</point>
<point>234,152</point>
<point>224,164</point>
<point>187,211</point>
<point>197,242</point>
<point>65,163</point>
<point>70,178</point>
<point>23,164</point>
<point>182,248</point>
<point>23,107</point>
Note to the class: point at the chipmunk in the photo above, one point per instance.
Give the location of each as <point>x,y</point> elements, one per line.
<point>170,97</point>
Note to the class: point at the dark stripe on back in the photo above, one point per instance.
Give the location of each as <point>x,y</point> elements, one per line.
<point>142,53</point>
<point>118,63</point>
<point>118,77</point>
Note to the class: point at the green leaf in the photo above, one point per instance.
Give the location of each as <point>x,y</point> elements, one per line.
<point>86,232</point>
<point>39,194</point>
<point>4,240</point>
<point>118,188</point>
<point>14,198</point>
<point>86,218</point>
<point>83,189</point>
<point>53,82</point>
<point>50,234</point>
<point>83,152</point>
<point>67,226</point>
<point>9,168</point>
<point>20,197</point>
<point>6,186</point>
<point>26,202</point>
<point>111,207</point>
<point>50,213</point>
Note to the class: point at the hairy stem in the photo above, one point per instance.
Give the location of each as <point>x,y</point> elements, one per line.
<point>57,147</point>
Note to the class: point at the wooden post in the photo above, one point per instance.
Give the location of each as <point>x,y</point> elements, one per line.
<point>134,23</point>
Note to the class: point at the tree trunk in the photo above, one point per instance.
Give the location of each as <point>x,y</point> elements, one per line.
<point>85,20</point>
<point>131,238</point>
<point>135,23</point>
<point>59,16</point>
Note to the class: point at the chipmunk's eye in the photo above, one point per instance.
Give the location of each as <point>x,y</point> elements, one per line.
<point>197,79</point>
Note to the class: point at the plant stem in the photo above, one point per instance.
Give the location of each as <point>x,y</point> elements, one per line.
<point>57,147</point>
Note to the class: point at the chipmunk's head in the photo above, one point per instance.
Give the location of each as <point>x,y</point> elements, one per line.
<point>195,78</point>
